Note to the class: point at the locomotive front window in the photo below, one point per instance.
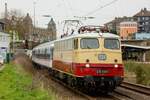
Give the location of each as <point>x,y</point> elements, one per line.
<point>111,43</point>
<point>89,43</point>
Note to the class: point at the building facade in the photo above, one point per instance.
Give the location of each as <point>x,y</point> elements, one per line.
<point>4,44</point>
<point>39,34</point>
<point>27,26</point>
<point>2,25</point>
<point>143,19</point>
<point>114,25</point>
<point>52,29</point>
<point>141,36</point>
<point>127,29</point>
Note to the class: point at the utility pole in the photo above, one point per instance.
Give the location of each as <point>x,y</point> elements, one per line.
<point>34,3</point>
<point>5,16</point>
<point>49,16</point>
<point>33,33</point>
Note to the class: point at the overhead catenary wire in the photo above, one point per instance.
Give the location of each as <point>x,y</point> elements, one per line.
<point>101,7</point>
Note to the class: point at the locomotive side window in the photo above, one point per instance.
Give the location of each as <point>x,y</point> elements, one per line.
<point>111,43</point>
<point>89,43</point>
<point>75,43</point>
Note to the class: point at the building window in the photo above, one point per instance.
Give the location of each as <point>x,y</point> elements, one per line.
<point>143,28</point>
<point>146,18</point>
<point>143,23</point>
<point>146,23</point>
<point>139,19</point>
<point>143,18</point>
<point>0,27</point>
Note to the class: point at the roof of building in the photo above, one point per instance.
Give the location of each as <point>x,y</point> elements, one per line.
<point>3,33</point>
<point>128,22</point>
<point>46,44</point>
<point>28,19</point>
<point>141,36</point>
<point>119,19</point>
<point>2,21</point>
<point>143,12</point>
<point>51,22</point>
<point>135,47</point>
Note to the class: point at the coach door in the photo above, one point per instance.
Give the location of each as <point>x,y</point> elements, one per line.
<point>51,56</point>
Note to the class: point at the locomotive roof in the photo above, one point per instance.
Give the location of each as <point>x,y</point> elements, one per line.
<point>51,44</point>
<point>81,35</point>
<point>90,35</point>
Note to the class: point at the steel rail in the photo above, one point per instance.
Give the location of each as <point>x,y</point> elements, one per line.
<point>136,87</point>
<point>68,87</point>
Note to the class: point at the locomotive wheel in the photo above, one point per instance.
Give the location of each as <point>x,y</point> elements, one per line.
<point>70,80</point>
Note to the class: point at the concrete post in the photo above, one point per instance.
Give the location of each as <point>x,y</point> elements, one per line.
<point>144,57</point>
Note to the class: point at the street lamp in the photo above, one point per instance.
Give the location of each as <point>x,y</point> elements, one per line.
<point>34,15</point>
<point>49,16</point>
<point>33,32</point>
<point>34,5</point>
<point>84,17</point>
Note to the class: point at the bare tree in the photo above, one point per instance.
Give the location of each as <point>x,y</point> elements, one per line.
<point>14,23</point>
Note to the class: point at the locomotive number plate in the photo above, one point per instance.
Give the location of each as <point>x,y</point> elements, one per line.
<point>101,71</point>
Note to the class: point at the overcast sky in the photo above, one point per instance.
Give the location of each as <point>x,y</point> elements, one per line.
<point>64,9</point>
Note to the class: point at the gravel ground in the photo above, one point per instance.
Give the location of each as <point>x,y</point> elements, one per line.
<point>61,92</point>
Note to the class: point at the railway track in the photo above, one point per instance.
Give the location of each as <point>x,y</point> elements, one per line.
<point>137,88</point>
<point>119,96</point>
<point>143,91</point>
<point>133,91</point>
<point>110,96</point>
<point>66,85</point>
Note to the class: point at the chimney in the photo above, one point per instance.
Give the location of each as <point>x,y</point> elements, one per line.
<point>6,12</point>
<point>145,9</point>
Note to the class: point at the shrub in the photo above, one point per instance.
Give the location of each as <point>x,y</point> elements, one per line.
<point>141,70</point>
<point>140,75</point>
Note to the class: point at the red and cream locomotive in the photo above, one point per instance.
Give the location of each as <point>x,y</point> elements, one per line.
<point>90,59</point>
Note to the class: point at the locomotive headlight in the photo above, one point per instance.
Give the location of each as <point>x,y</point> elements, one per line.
<point>116,66</point>
<point>87,65</point>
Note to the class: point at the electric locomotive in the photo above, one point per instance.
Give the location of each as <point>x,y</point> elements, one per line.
<point>91,59</point>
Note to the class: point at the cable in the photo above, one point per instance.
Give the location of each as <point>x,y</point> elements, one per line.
<point>92,12</point>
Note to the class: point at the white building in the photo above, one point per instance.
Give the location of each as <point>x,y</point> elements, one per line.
<point>4,44</point>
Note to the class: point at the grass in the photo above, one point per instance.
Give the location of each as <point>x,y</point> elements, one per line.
<point>142,72</point>
<point>16,85</point>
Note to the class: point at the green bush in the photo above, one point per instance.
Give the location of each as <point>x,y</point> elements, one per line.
<point>140,75</point>
<point>142,71</point>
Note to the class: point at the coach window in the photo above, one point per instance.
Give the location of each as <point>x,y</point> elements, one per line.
<point>48,53</point>
<point>51,53</point>
<point>111,43</point>
<point>45,53</point>
<point>89,43</point>
<point>75,43</point>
